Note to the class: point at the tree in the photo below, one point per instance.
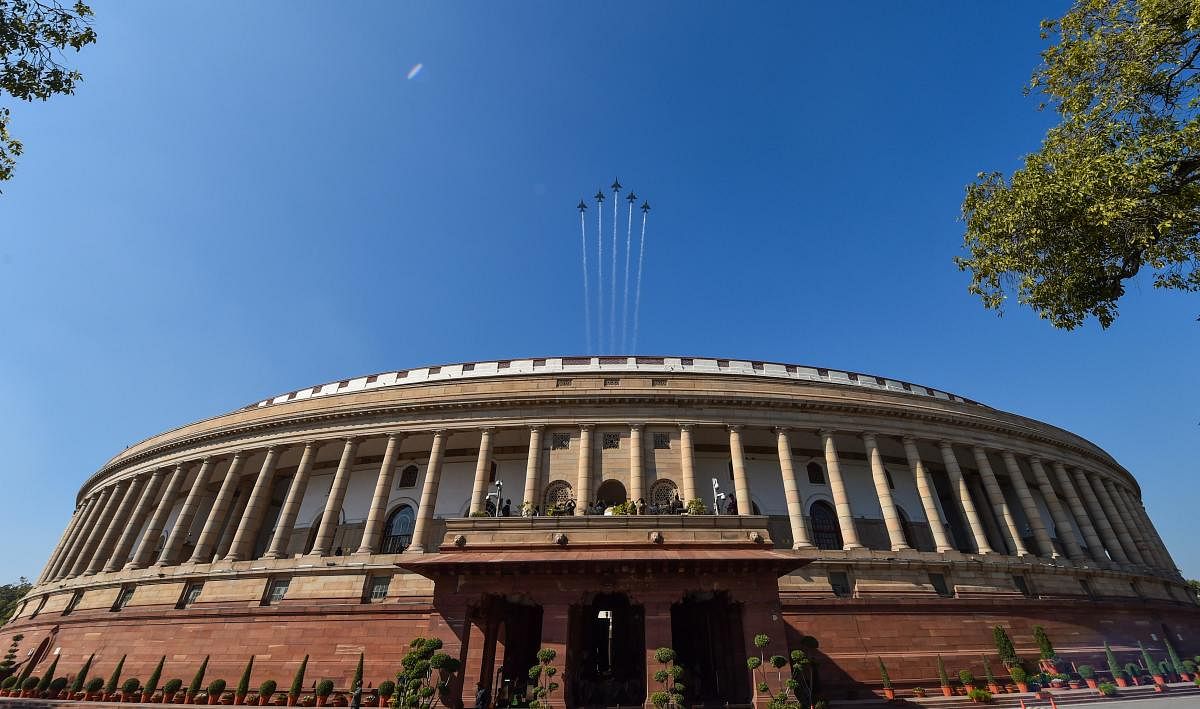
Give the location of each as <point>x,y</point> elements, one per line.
<point>33,36</point>
<point>1004,646</point>
<point>1115,188</point>
<point>10,593</point>
<point>298,680</point>
<point>1045,649</point>
<point>416,682</point>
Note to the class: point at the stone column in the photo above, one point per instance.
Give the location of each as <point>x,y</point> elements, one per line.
<point>1095,547</point>
<point>377,516</point>
<point>1062,523</point>
<point>115,526</point>
<point>481,472</point>
<point>1017,478</point>
<point>533,464</point>
<point>964,498</point>
<point>891,519</point>
<point>291,506</point>
<point>145,550</point>
<point>926,490</point>
<point>1121,533</point>
<point>187,514</point>
<point>332,516</point>
<point>583,493</point>
<point>83,540</point>
<point>687,463</point>
<point>1160,561</point>
<point>63,542</point>
<point>999,504</point>
<point>1132,528</point>
<point>429,491</point>
<point>82,523</point>
<point>741,482</point>
<point>136,521</point>
<point>637,475</point>
<point>1103,526</point>
<point>215,524</point>
<point>256,506</point>
<point>230,524</point>
<point>841,501</point>
<point>791,491</point>
<point>1160,545</point>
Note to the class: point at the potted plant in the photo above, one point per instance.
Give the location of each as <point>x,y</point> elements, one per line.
<point>29,684</point>
<point>1019,678</point>
<point>307,700</point>
<point>214,690</point>
<point>324,689</point>
<point>1107,689</point>
<point>1088,673</point>
<point>171,690</point>
<point>297,683</point>
<point>1046,653</point>
<point>1151,665</point>
<point>919,692</point>
<point>197,682</point>
<point>967,679</point>
<point>888,691</point>
<point>980,696</point>
<point>266,690</point>
<point>1004,646</point>
<point>152,683</point>
<point>92,690</point>
<point>1176,664</point>
<point>57,686</point>
<point>128,687</point>
<point>943,678</point>
<point>991,679</point>
<point>243,686</point>
<point>110,689</point>
<point>386,689</point>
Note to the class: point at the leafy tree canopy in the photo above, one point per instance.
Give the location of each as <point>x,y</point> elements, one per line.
<point>1115,189</point>
<point>34,35</point>
<point>12,593</point>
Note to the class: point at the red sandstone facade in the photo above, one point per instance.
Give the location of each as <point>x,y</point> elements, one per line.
<point>891,521</point>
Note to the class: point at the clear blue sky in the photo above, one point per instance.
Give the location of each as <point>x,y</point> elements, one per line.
<point>248,198</point>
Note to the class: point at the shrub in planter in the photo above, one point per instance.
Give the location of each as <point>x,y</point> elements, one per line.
<point>243,685</point>
<point>170,689</point>
<point>918,692</point>
<point>152,683</point>
<point>943,678</point>
<point>81,677</point>
<point>265,691</point>
<point>1020,678</point>
<point>386,690</point>
<point>1004,646</point>
<point>1088,673</point>
<point>115,678</point>
<point>324,689</point>
<point>29,684</point>
<point>197,682</point>
<point>94,686</point>
<point>57,685</point>
<point>1107,689</point>
<point>297,683</point>
<point>885,680</point>
<point>308,700</point>
<point>128,687</point>
<point>980,696</point>
<point>214,690</point>
<point>251,699</point>
<point>967,679</point>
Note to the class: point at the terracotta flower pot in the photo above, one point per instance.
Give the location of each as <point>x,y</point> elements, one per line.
<point>889,692</point>
<point>1185,676</point>
<point>1158,688</point>
<point>1074,684</point>
<point>238,699</point>
<point>1158,680</point>
<point>262,701</point>
<point>1022,687</point>
<point>994,688</point>
<point>947,691</point>
<point>320,701</point>
<point>383,702</point>
<point>1122,682</point>
<point>1091,682</point>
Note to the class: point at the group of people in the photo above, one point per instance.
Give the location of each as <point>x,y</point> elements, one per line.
<point>674,506</point>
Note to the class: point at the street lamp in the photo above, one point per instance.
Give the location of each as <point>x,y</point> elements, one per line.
<point>717,496</point>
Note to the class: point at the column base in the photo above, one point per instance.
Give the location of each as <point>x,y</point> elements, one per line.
<point>852,547</point>
<point>803,545</point>
<point>414,549</point>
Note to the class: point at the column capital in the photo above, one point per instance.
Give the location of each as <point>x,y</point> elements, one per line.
<point>826,432</point>
<point>395,436</point>
<point>734,427</point>
<point>944,444</point>
<point>239,455</point>
<point>636,426</point>
<point>537,427</point>
<point>206,459</point>
<point>782,430</point>
<point>273,448</point>
<point>1033,459</point>
<point>908,439</point>
<point>868,436</point>
<point>586,426</point>
<point>686,426</point>
<point>351,439</point>
<point>487,429</point>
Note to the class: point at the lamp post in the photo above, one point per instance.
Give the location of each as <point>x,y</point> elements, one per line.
<point>717,496</point>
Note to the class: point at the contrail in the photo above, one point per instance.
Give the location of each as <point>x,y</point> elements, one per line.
<point>637,300</point>
<point>612,295</point>
<point>587,293</point>
<point>600,269</point>
<point>625,303</point>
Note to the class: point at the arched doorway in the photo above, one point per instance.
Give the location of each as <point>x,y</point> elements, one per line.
<point>704,625</point>
<point>826,532</point>
<point>611,492</point>
<point>397,533</point>
<point>607,653</point>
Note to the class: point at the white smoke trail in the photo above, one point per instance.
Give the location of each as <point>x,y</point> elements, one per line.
<point>612,296</point>
<point>637,299</point>
<point>625,301</point>
<point>600,270</point>
<point>587,293</point>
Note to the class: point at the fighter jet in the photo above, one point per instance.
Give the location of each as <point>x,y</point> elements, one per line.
<point>582,207</point>
<point>645,206</point>
<point>616,185</point>
<point>632,197</point>
<point>599,195</point>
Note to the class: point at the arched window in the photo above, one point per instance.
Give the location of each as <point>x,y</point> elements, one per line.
<point>408,477</point>
<point>816,475</point>
<point>397,533</point>
<point>826,532</point>
<point>558,494</point>
<point>662,493</point>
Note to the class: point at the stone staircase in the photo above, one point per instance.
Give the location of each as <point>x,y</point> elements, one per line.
<point>1061,697</point>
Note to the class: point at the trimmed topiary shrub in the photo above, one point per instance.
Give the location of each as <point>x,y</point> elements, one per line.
<point>1045,649</point>
<point>94,685</point>
<point>1086,671</point>
<point>44,685</point>
<point>324,688</point>
<point>243,685</point>
<point>172,687</point>
<point>298,680</point>
<point>58,685</point>
<point>966,677</point>
<point>266,689</point>
<point>1004,646</point>
<point>30,682</point>
<point>215,687</point>
<point>152,683</point>
<point>387,688</point>
<point>81,677</point>
<point>115,677</point>
<point>131,685</point>
<point>198,679</point>
<point>943,678</point>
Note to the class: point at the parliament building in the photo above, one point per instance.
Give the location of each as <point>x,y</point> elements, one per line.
<point>482,504</point>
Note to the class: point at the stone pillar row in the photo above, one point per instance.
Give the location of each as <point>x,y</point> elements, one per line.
<point>101,534</point>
